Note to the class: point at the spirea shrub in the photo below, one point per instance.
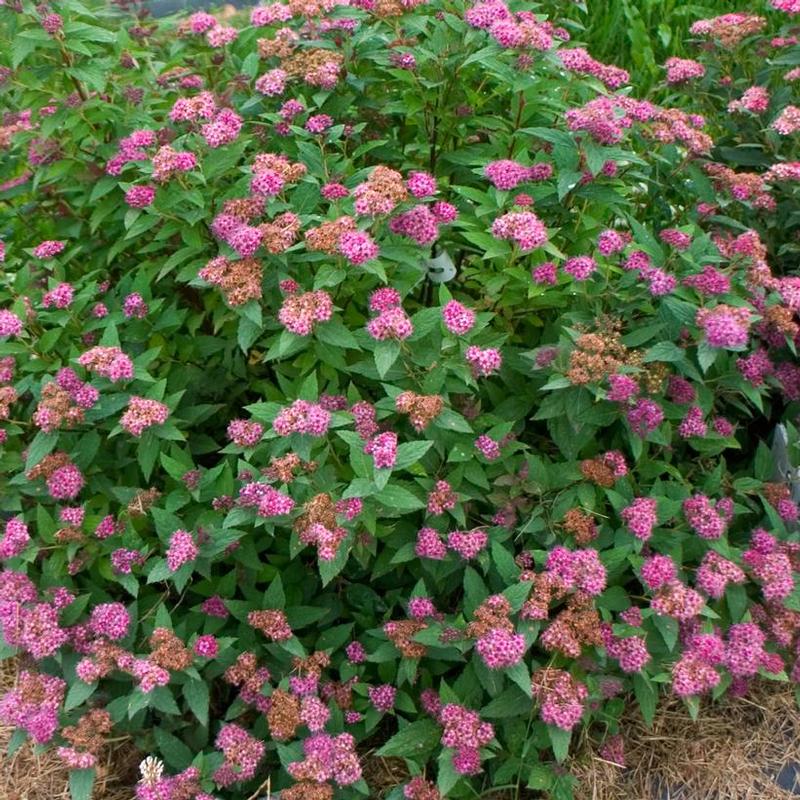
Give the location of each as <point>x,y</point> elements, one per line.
<point>389,377</point>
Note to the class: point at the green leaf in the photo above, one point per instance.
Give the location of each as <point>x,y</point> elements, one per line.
<point>147,452</point>
<point>475,591</point>
<point>513,702</point>
<point>559,741</point>
<point>78,693</point>
<point>395,496</point>
<point>195,691</point>
<point>520,675</point>
<point>416,741</point>
<point>328,570</point>
<point>275,597</point>
<point>176,754</point>
<point>336,334</point>
<point>447,776</point>
<point>42,444</point>
<point>81,782</point>
<point>646,697</point>
<point>409,453</point>
<point>668,628</point>
<point>665,351</point>
<point>706,355</point>
<point>386,353</point>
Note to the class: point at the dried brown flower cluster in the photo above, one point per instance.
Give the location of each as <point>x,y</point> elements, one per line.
<point>545,589</point>
<point>654,374</point>
<point>308,790</point>
<point>90,733</point>
<point>382,191</point>
<point>144,500</point>
<point>271,622</point>
<point>341,693</point>
<point>575,627</point>
<point>491,614</point>
<point>281,233</point>
<point>581,525</point>
<point>401,633</point>
<point>168,651</point>
<point>315,66</point>
<point>597,471</point>
<point>290,171</point>
<point>8,395</point>
<point>313,665</point>
<point>283,716</point>
<point>69,534</point>
<point>240,281</point>
<point>282,45</point>
<point>422,409</point>
<point>781,319</point>
<point>48,465</point>
<point>600,354</point>
<point>285,468</point>
<point>245,209</point>
<point>775,492</point>
<point>319,510</point>
<point>325,237</point>
<point>57,409</point>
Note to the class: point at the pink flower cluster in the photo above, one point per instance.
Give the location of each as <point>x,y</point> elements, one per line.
<point>725,326</point>
<point>15,538</point>
<point>524,228</point>
<point>108,362</point>
<point>302,417</point>
<point>645,416</point>
<point>577,570</point>
<point>48,249</point>
<point>393,323</point>
<point>328,758</point>
<point>715,573</point>
<point>755,100</point>
<point>242,754</point>
<point>577,59</point>
<point>267,501</point>
<point>468,544</point>
<point>245,433</point>
<point>681,70</point>
<point>561,697</point>
<point>383,449</point>
<point>500,648</point>
<point>708,520</point>
<point>483,361</point>
<point>770,564</point>
<point>143,413</point>
<point>65,483</point>
<point>140,196</point>
<point>631,651</point>
<point>10,323</point>
<point>300,313</point>
<point>641,517</point>
<point>182,550</point>
<point>442,498</point>
<point>110,620</point>
<point>506,174</point>
<point>59,297</point>
<point>466,734</point>
<point>33,704</point>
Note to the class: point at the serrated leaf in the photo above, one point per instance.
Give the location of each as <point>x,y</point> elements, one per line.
<point>196,694</point>
<point>81,782</point>
<point>415,741</point>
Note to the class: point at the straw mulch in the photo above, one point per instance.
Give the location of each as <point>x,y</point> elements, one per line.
<point>27,775</point>
<point>734,751</point>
